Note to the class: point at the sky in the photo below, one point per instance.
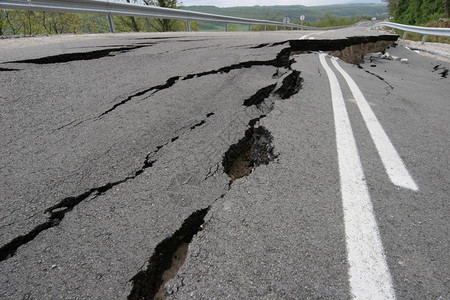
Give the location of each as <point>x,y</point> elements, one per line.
<point>228,3</point>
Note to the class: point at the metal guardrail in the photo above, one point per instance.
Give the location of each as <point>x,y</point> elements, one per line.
<point>125,9</point>
<point>426,31</point>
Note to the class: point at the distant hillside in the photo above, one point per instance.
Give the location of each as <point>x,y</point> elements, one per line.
<point>312,13</point>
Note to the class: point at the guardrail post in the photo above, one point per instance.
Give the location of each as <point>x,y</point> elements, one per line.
<point>188,25</point>
<point>249,27</point>
<point>424,39</point>
<point>111,24</point>
<point>226,26</point>
<point>405,34</point>
<point>276,28</point>
<point>265,27</point>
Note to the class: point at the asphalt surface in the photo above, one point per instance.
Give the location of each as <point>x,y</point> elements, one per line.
<point>105,155</point>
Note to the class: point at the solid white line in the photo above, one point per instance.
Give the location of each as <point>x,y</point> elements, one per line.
<point>368,271</point>
<point>392,162</point>
<point>304,37</point>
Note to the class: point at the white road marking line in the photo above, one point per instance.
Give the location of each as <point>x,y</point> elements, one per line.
<point>395,168</point>
<point>312,38</point>
<point>368,271</point>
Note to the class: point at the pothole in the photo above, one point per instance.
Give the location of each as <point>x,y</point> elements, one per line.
<point>166,260</point>
<point>253,150</point>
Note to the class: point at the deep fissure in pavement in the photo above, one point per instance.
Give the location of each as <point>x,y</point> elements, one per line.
<point>8,70</point>
<point>282,60</point>
<point>163,265</point>
<point>253,150</point>
<point>58,211</point>
<point>256,148</point>
<point>169,83</point>
<point>350,49</point>
<point>290,86</point>
<point>77,56</point>
<point>260,95</point>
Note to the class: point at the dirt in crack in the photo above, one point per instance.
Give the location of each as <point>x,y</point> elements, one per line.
<point>253,150</point>
<point>167,259</point>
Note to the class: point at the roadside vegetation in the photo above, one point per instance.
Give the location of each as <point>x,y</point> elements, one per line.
<point>19,23</point>
<point>428,13</point>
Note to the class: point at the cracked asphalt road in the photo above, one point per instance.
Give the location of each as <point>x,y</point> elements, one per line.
<point>105,154</point>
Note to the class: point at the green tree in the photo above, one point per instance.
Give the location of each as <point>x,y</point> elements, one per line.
<point>446,8</point>
<point>93,23</point>
<point>165,24</point>
<point>2,21</point>
<point>57,23</point>
<point>131,22</point>
<point>12,18</point>
<point>417,12</point>
<point>30,22</point>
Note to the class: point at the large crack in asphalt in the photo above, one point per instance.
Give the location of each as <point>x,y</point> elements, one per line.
<point>260,96</point>
<point>282,59</point>
<point>256,148</point>
<point>58,211</point>
<point>253,150</point>
<point>290,86</point>
<point>342,48</point>
<point>350,49</point>
<point>169,83</point>
<point>8,70</point>
<point>78,56</point>
<point>149,283</point>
